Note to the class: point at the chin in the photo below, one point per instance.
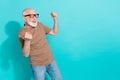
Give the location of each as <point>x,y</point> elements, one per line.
<point>32,24</point>
<point>35,25</point>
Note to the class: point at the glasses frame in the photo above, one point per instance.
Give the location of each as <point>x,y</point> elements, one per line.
<point>32,15</point>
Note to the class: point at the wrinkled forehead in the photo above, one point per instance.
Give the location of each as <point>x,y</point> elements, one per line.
<point>29,11</point>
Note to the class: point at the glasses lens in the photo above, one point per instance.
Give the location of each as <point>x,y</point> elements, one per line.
<point>36,15</point>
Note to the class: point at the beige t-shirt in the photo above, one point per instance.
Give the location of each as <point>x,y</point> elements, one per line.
<point>40,53</point>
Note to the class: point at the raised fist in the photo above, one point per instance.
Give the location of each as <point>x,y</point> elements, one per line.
<point>53,14</point>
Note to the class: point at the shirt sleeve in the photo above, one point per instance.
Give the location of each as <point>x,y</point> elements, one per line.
<point>46,29</point>
<point>21,40</point>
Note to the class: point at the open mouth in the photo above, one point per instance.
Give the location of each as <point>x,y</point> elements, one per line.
<point>34,21</point>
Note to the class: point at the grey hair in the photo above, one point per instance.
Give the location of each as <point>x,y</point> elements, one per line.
<point>24,11</point>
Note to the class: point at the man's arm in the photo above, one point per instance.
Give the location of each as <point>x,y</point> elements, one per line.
<point>54,31</point>
<point>26,47</point>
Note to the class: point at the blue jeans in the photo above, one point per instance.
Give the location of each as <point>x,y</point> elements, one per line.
<point>52,69</point>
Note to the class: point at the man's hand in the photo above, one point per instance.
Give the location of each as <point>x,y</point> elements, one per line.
<point>28,36</point>
<point>54,15</point>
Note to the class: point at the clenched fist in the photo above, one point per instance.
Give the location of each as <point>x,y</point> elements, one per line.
<point>54,14</point>
<point>28,36</point>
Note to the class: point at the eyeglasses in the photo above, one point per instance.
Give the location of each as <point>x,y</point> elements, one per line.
<point>32,15</point>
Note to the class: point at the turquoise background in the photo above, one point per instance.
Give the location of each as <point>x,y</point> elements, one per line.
<point>87,46</point>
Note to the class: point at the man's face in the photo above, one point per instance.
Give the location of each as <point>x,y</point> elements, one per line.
<point>30,17</point>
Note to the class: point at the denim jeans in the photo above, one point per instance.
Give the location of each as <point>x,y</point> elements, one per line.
<point>52,69</point>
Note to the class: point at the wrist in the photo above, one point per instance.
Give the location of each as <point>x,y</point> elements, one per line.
<point>55,18</point>
<point>26,39</point>
<point>27,42</point>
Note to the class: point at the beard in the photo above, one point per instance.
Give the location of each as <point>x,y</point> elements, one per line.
<point>32,24</point>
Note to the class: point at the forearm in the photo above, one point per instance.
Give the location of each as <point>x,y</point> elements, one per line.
<point>55,28</point>
<point>26,48</point>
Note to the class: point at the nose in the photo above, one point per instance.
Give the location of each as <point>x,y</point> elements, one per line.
<point>34,18</point>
